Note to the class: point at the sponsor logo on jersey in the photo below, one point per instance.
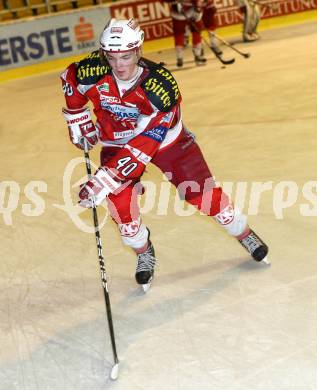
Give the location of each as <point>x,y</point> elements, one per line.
<point>157,134</point>
<point>110,99</point>
<point>123,134</point>
<point>103,87</point>
<point>135,151</point>
<point>139,155</point>
<point>166,90</point>
<point>121,112</point>
<point>144,158</point>
<point>153,85</point>
<point>87,70</point>
<point>169,77</point>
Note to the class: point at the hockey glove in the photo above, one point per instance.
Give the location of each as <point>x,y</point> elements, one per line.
<point>81,127</point>
<point>194,15</point>
<point>95,190</point>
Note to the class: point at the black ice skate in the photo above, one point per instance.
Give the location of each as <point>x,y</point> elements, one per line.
<point>256,247</point>
<point>145,267</point>
<point>200,60</point>
<point>179,62</point>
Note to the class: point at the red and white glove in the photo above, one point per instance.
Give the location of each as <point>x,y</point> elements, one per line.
<point>95,190</point>
<point>194,14</point>
<point>81,127</point>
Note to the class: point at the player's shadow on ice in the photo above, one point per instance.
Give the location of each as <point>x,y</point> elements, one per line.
<point>193,295</point>
<point>84,347</point>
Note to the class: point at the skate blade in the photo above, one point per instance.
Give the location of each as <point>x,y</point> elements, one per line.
<point>146,287</point>
<point>266,261</point>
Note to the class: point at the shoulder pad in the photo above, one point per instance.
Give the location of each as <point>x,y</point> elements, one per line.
<point>90,70</point>
<point>161,88</point>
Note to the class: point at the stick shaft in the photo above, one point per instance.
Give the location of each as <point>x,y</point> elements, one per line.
<point>226,43</point>
<point>102,267</point>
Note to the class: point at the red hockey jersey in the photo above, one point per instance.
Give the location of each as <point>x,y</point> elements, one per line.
<point>143,120</point>
<point>185,9</point>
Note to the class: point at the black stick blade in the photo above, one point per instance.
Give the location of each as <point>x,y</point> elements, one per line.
<point>223,61</point>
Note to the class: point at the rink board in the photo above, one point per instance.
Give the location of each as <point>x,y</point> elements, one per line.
<point>52,41</point>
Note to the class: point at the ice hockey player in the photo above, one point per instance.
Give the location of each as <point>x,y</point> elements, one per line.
<point>209,21</point>
<point>251,18</point>
<point>187,15</point>
<point>138,121</point>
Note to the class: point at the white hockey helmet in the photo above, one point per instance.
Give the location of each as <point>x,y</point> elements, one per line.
<point>121,35</point>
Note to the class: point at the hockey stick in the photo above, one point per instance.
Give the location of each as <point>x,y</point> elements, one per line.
<point>218,56</point>
<point>245,55</point>
<point>115,368</point>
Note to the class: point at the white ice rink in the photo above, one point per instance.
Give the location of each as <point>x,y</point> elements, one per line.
<point>214,319</point>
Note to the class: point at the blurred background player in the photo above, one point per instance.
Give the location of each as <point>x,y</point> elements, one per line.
<point>138,121</point>
<point>251,18</point>
<point>187,14</point>
<point>210,23</point>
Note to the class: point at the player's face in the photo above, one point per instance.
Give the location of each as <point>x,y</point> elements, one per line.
<point>124,65</point>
